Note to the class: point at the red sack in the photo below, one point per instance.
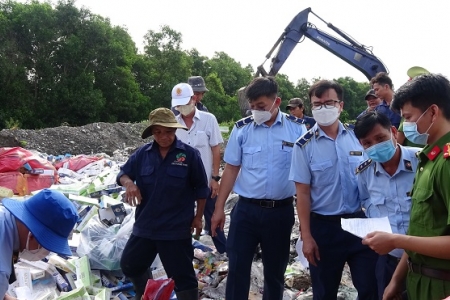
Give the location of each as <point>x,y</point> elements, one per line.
<point>160,289</point>
<point>76,163</point>
<point>17,159</point>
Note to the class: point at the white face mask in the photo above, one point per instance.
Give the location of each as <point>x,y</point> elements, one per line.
<point>185,110</point>
<point>262,116</point>
<point>33,255</point>
<point>326,116</point>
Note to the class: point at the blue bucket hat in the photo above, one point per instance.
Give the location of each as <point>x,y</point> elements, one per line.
<point>49,216</point>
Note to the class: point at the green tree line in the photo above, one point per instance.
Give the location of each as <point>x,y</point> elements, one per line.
<point>63,64</point>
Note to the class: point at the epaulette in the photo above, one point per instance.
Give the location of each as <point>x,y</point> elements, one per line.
<point>364,165</point>
<point>417,153</point>
<point>349,126</point>
<point>295,119</point>
<point>244,121</point>
<point>305,138</point>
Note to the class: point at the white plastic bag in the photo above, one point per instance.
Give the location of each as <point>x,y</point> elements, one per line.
<point>104,245</point>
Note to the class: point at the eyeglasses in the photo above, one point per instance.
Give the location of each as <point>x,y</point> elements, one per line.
<point>328,104</point>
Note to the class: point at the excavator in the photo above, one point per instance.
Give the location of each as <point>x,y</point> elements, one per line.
<point>356,54</point>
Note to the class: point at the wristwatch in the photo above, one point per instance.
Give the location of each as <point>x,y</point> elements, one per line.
<point>216,178</point>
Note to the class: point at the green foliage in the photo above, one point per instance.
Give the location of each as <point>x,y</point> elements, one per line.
<point>62,64</point>
<point>12,124</point>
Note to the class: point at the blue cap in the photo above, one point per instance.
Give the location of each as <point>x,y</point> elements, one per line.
<point>49,216</point>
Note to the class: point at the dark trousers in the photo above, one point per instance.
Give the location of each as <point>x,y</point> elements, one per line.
<point>252,225</point>
<point>219,240</point>
<point>385,268</point>
<point>336,247</point>
<point>176,257</point>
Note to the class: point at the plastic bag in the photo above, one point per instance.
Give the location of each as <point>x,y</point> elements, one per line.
<point>18,159</point>
<point>160,289</point>
<point>104,245</point>
<point>76,163</point>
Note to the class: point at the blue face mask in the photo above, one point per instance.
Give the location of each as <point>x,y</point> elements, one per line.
<point>382,152</point>
<point>411,133</point>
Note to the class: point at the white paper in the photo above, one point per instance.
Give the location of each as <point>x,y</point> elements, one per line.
<point>301,257</point>
<point>362,226</point>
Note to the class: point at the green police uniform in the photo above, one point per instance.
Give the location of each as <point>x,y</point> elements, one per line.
<point>430,217</point>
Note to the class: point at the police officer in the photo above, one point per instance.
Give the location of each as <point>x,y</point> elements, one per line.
<point>164,178</point>
<point>425,105</point>
<point>385,181</point>
<point>323,169</point>
<point>257,157</point>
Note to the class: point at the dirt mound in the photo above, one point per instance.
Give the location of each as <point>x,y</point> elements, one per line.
<point>88,139</point>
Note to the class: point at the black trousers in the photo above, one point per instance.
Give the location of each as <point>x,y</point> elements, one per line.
<point>336,247</point>
<point>176,257</point>
<point>271,228</point>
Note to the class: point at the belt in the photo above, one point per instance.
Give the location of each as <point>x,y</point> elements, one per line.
<point>429,272</point>
<point>337,218</point>
<point>265,203</point>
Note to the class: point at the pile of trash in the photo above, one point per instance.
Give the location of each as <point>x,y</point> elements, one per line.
<point>104,226</point>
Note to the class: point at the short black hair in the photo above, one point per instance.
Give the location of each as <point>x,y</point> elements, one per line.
<point>367,122</point>
<point>261,86</point>
<point>321,86</point>
<point>382,78</point>
<point>423,91</point>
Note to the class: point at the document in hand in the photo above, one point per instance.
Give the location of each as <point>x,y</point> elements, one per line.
<point>362,226</point>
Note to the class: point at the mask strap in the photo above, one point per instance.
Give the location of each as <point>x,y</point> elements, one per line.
<point>28,241</point>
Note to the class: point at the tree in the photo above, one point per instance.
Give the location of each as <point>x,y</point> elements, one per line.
<point>230,72</point>
<point>163,66</point>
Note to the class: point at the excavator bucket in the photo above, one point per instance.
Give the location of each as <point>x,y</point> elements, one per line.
<point>292,35</point>
<point>244,106</point>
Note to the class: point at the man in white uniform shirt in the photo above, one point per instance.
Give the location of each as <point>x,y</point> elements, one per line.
<point>203,134</point>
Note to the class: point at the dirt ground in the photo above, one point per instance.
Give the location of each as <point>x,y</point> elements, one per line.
<point>89,139</point>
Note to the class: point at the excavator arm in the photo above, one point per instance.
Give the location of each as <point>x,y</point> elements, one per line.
<point>354,53</point>
<point>351,51</point>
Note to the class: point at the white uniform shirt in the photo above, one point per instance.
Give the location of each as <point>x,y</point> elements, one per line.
<point>203,134</point>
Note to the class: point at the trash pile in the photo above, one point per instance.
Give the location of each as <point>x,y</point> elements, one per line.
<point>104,226</point>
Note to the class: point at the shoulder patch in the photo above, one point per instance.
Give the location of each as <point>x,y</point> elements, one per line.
<point>363,166</point>
<point>349,126</point>
<point>417,153</point>
<point>305,138</point>
<point>295,119</point>
<point>244,121</point>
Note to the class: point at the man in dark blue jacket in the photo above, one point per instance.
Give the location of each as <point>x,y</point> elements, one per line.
<point>163,179</point>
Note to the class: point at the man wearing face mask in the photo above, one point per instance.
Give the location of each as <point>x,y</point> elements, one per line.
<point>424,103</point>
<point>32,228</point>
<point>385,181</point>
<point>203,134</point>
<point>323,167</point>
<point>257,157</point>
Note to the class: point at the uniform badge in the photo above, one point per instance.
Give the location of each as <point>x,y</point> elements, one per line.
<point>408,165</point>
<point>447,150</point>
<point>434,152</point>
<point>356,153</point>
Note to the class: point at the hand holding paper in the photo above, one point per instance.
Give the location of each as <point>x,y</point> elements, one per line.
<point>363,226</point>
<point>375,232</point>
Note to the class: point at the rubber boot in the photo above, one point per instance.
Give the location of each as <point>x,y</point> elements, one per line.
<point>187,295</point>
<point>139,284</point>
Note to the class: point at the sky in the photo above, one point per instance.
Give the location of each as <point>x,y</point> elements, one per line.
<point>403,33</point>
